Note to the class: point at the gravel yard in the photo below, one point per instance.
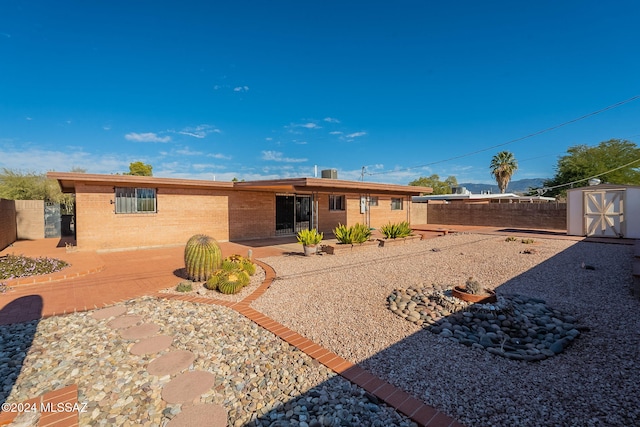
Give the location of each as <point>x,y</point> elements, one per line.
<point>339,302</point>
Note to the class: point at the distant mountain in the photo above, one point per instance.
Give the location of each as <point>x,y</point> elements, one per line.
<point>518,186</point>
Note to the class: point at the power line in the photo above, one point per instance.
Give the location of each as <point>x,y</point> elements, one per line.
<point>549,129</point>
<point>543,190</point>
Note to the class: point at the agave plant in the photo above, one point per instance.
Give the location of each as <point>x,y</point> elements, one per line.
<point>356,234</point>
<point>395,231</point>
<point>310,237</point>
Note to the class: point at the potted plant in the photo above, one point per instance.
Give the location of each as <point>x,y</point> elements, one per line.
<point>310,240</point>
<point>474,292</point>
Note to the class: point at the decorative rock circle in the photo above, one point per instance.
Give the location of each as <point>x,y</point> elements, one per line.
<point>171,363</point>
<point>200,415</point>
<point>187,387</point>
<point>105,313</point>
<point>124,322</point>
<point>152,345</point>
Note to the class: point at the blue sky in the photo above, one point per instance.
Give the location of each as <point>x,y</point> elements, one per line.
<point>270,89</point>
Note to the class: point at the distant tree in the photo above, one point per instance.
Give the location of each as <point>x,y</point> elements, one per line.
<point>16,185</point>
<point>582,162</point>
<point>439,187</point>
<point>503,166</point>
<point>77,169</point>
<point>140,169</point>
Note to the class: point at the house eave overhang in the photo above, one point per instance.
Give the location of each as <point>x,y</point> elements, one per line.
<point>325,185</point>
<point>68,181</point>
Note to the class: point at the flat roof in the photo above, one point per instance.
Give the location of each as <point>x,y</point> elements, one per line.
<point>69,180</point>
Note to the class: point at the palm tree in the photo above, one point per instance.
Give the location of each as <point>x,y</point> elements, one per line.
<point>503,166</point>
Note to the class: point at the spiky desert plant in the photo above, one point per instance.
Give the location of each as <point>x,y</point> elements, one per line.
<point>202,256</point>
<point>473,287</point>
<point>511,239</point>
<point>242,262</point>
<point>395,231</point>
<point>228,281</point>
<point>356,234</point>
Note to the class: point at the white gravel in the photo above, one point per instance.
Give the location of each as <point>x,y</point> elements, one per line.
<point>339,302</point>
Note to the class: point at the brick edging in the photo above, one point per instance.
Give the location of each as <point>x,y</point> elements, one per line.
<point>422,414</point>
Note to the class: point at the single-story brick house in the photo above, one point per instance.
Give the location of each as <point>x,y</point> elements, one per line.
<point>122,211</point>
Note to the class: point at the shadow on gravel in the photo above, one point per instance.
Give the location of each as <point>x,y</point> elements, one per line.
<point>517,363</point>
<point>18,323</point>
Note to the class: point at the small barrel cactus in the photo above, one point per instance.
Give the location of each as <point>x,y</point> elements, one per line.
<point>473,287</point>
<point>241,262</point>
<point>202,256</point>
<point>228,281</point>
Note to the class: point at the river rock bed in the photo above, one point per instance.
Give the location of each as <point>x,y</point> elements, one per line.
<point>516,326</point>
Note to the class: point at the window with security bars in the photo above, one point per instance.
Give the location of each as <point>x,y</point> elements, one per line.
<point>135,200</point>
<point>396,204</point>
<point>336,203</point>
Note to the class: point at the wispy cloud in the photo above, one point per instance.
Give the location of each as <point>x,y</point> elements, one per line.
<point>187,152</point>
<point>356,134</point>
<point>200,131</point>
<point>241,89</point>
<point>276,156</point>
<point>331,120</point>
<point>309,126</point>
<point>218,156</point>
<point>335,132</point>
<point>146,137</point>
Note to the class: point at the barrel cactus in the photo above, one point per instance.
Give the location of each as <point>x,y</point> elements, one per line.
<point>242,262</point>
<point>228,281</point>
<point>202,256</point>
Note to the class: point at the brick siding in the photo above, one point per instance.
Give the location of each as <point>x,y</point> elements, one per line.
<point>8,228</point>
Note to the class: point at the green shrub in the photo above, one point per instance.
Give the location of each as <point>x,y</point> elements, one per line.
<point>186,286</point>
<point>202,256</point>
<point>356,234</point>
<point>511,239</point>
<point>528,241</point>
<point>394,231</point>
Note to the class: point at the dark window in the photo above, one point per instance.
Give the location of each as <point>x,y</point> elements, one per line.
<point>336,203</point>
<point>373,201</point>
<point>396,204</point>
<point>135,200</point>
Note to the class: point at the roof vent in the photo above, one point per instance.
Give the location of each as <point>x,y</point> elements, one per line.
<point>329,173</point>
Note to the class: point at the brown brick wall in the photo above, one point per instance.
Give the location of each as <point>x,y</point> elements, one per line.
<point>328,220</point>
<point>8,229</point>
<point>29,219</point>
<point>252,215</point>
<point>382,214</point>
<point>181,214</point>
<point>529,215</point>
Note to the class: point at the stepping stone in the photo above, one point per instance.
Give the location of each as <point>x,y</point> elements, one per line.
<point>200,416</point>
<point>171,363</point>
<point>141,331</point>
<point>188,386</point>
<point>124,322</point>
<point>105,313</point>
<point>152,345</point>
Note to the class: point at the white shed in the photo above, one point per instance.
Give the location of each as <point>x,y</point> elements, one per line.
<point>605,210</point>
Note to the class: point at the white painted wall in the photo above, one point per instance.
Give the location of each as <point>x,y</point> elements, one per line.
<point>575,214</point>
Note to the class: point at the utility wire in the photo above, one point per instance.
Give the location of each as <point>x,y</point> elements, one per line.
<point>610,107</point>
<point>543,190</point>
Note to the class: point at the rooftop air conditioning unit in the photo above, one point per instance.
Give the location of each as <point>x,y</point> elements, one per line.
<point>329,173</point>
